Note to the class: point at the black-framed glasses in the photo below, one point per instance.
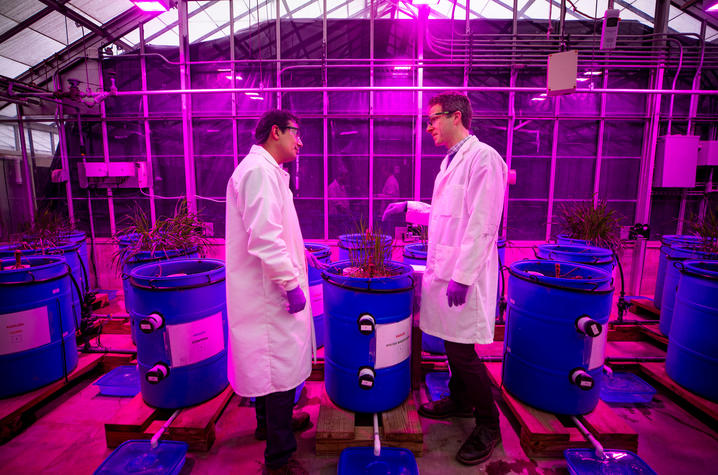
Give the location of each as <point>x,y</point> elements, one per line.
<point>435,116</point>
<point>293,130</point>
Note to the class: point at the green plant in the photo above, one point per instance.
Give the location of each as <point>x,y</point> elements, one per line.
<point>181,232</point>
<point>598,225</point>
<point>368,254</point>
<point>45,231</point>
<point>706,228</point>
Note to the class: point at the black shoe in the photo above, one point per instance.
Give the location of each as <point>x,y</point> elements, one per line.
<point>300,422</point>
<point>443,408</point>
<point>479,446</point>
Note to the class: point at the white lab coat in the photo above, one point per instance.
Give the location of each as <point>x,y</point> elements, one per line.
<point>463,221</point>
<point>270,350</point>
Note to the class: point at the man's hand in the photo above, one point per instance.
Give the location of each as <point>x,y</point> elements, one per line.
<point>296,300</point>
<point>313,261</point>
<point>456,293</point>
<point>394,208</point>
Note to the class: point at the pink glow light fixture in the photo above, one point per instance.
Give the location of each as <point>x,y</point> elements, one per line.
<point>153,5</point>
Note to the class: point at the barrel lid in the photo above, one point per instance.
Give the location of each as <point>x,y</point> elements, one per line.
<point>160,255</point>
<point>564,275</point>
<point>592,254</point>
<point>177,274</point>
<point>320,251</point>
<point>61,248</point>
<point>401,279</point>
<point>138,457</point>
<point>501,242</point>
<point>416,250</point>
<point>689,251</point>
<point>679,239</point>
<point>705,269</point>
<point>39,268</point>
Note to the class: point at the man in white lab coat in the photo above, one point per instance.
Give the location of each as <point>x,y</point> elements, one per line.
<point>271,333</point>
<point>458,294</point>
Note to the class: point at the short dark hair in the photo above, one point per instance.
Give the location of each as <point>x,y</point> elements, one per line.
<point>454,101</point>
<point>269,119</point>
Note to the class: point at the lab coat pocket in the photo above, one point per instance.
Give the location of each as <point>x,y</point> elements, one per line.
<point>445,261</point>
<point>450,201</point>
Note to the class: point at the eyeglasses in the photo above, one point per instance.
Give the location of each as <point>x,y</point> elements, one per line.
<point>435,116</point>
<point>293,130</point>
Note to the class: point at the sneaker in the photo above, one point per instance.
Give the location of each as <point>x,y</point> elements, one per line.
<point>291,468</point>
<point>479,446</point>
<point>443,408</point>
<point>300,422</point>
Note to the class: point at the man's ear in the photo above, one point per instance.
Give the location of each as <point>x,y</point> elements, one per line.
<point>274,132</point>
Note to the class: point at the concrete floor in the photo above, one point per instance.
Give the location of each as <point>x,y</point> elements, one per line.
<point>68,437</point>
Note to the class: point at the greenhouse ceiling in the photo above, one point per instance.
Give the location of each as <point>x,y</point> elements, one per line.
<point>61,31</point>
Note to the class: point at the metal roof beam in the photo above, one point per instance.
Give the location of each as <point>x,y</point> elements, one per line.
<point>73,15</point>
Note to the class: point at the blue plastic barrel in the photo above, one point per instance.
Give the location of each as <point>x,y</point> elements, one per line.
<point>692,356</point>
<point>586,255</point>
<point>70,252</point>
<point>148,257</point>
<point>415,253</point>
<point>354,247</point>
<point>667,242</point>
<point>181,310</point>
<point>38,328</point>
<point>368,346</point>
<point>316,295</point>
<point>555,337</point>
<point>565,240</point>
<point>674,257</point>
<point>81,238</point>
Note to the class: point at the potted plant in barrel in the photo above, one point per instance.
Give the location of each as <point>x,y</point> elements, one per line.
<point>368,309</point>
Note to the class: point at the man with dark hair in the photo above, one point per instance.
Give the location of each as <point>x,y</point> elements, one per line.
<point>271,332</point>
<point>458,293</point>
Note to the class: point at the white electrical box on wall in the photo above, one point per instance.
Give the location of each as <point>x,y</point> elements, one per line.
<point>112,175</point>
<point>561,73</point>
<point>676,161</point>
<point>708,153</point>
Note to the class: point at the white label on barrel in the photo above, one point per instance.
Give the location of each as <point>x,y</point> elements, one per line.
<point>393,343</point>
<point>364,382</point>
<point>196,341</point>
<point>21,331</point>
<point>597,350</point>
<point>316,299</point>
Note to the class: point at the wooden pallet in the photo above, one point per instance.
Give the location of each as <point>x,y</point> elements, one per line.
<point>194,425</point>
<point>547,435</point>
<point>644,306</point>
<point>338,429</point>
<point>18,412</point>
<point>684,397</point>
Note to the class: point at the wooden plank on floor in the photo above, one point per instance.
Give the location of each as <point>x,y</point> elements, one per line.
<point>333,423</point>
<point>610,429</point>
<point>203,415</point>
<point>657,372</point>
<point>402,423</point>
<point>18,412</point>
<point>644,306</point>
<point>135,416</point>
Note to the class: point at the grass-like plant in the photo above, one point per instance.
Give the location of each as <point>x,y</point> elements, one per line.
<point>368,253</point>
<point>598,225</point>
<point>181,232</point>
<point>706,228</point>
<point>47,230</point>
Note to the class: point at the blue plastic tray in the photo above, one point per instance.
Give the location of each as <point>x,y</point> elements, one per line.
<point>626,388</point>
<point>438,385</point>
<point>136,457</point>
<point>121,381</point>
<point>617,462</point>
<point>391,461</point>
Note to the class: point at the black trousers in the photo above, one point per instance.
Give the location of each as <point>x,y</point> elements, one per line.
<point>469,384</point>
<point>274,411</point>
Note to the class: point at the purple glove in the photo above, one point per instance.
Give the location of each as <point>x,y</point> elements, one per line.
<point>296,300</point>
<point>456,293</point>
<point>394,208</point>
